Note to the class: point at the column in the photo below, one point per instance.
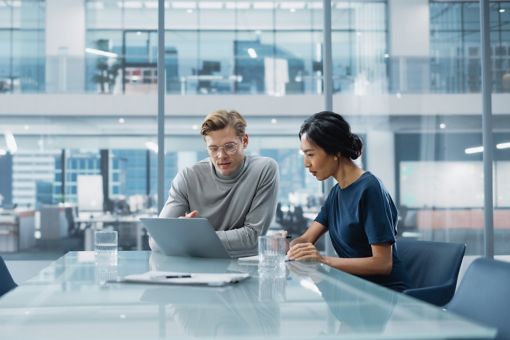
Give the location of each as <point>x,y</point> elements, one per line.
<point>409,44</point>
<point>65,45</point>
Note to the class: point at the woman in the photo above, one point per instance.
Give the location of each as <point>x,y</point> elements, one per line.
<point>359,213</point>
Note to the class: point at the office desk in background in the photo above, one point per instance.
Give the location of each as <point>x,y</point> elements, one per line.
<point>129,227</point>
<point>70,300</point>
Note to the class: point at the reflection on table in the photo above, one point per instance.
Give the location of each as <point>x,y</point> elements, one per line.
<point>71,299</point>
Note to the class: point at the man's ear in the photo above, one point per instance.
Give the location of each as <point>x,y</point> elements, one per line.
<point>245,140</point>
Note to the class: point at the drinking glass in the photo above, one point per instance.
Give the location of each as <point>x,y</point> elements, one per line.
<point>105,244</point>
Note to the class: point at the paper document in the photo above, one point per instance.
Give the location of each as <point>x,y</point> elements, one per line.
<point>179,278</point>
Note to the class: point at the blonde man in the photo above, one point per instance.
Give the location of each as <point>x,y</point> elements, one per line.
<point>235,192</point>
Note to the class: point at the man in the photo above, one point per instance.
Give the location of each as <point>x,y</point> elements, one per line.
<point>235,192</point>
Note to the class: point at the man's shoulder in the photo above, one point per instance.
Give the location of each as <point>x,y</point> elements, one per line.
<point>263,162</point>
<point>200,168</point>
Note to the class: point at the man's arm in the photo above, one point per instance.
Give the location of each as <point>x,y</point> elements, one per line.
<point>176,205</point>
<point>243,241</point>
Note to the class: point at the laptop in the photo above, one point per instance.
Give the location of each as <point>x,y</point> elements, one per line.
<point>189,237</point>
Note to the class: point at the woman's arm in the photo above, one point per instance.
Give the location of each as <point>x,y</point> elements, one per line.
<point>311,235</point>
<point>380,263</point>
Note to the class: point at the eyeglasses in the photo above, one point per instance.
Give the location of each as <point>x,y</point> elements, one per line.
<point>228,148</point>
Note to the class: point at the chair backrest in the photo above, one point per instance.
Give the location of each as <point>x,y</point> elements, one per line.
<point>484,295</point>
<point>431,263</point>
<point>6,281</point>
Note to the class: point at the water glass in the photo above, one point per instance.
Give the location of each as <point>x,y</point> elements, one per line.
<point>272,254</point>
<point>106,242</point>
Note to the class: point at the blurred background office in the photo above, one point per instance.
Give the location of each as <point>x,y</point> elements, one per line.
<point>78,104</point>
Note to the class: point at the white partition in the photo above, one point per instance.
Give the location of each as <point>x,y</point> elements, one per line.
<point>90,192</point>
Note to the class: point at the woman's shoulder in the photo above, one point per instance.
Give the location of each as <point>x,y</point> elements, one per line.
<point>371,183</point>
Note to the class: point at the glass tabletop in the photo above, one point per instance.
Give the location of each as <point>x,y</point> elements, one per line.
<point>73,298</point>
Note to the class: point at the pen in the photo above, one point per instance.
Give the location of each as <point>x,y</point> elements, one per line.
<point>184,276</point>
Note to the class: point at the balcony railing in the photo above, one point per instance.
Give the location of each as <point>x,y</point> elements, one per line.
<point>245,76</point>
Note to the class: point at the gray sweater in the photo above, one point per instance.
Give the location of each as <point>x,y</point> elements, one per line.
<point>240,207</point>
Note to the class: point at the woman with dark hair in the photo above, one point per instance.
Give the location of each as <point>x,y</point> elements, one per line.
<point>359,213</point>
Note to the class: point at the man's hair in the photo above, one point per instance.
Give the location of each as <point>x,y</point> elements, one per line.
<point>221,119</point>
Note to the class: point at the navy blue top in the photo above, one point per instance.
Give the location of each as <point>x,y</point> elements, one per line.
<point>360,215</point>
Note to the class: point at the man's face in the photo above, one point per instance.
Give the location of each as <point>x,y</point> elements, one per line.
<point>226,150</point>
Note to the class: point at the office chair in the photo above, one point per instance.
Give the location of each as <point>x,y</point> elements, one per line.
<point>484,295</point>
<point>6,281</point>
<point>433,268</point>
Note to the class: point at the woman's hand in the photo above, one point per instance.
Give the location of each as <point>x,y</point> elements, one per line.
<point>304,252</point>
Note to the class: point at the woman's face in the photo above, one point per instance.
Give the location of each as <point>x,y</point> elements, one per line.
<point>317,161</point>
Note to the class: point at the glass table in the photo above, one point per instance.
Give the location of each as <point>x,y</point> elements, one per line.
<point>73,299</point>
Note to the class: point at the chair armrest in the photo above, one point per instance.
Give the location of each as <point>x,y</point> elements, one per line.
<point>438,295</point>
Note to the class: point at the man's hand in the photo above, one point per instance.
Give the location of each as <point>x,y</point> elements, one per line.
<point>192,214</point>
<point>304,252</point>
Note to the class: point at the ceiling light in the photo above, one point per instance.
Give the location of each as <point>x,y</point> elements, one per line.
<point>501,146</point>
<point>252,53</point>
<point>315,5</point>
<point>501,10</point>
<point>274,121</point>
<point>184,5</point>
<point>101,53</point>
<point>264,5</point>
<point>474,149</point>
<point>210,5</point>
<point>155,4</point>
<point>122,120</point>
<point>442,126</point>
<point>130,4</point>
<point>386,55</point>
<point>237,5</point>
<point>293,5</point>
<point>343,5</point>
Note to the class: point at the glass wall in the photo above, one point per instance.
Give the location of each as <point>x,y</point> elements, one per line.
<point>22,46</point>
<point>258,47</point>
<point>455,46</point>
<point>406,76</point>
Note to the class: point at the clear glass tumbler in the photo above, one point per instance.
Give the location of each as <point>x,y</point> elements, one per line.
<point>272,254</point>
<point>106,244</point>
